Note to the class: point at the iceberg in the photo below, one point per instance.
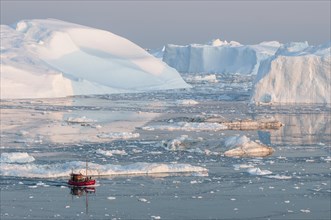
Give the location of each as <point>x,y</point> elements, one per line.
<point>50,58</point>
<point>297,73</point>
<point>218,56</point>
<point>242,146</point>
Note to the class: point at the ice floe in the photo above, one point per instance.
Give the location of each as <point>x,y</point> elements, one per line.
<point>118,135</point>
<point>80,120</point>
<point>64,169</point>
<point>258,172</point>
<point>110,153</point>
<point>16,158</point>
<point>187,126</point>
<point>187,102</point>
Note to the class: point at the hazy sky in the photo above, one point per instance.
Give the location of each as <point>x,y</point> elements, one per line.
<point>155,23</point>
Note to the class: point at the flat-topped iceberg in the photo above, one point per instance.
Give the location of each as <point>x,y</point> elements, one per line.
<point>50,58</point>
<point>297,73</point>
<point>218,56</point>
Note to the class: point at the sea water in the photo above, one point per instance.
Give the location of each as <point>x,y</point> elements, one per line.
<point>140,177</point>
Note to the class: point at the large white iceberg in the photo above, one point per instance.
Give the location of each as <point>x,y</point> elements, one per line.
<point>218,57</point>
<point>297,73</point>
<point>52,58</point>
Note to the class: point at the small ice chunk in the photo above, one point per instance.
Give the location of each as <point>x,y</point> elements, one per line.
<point>305,210</point>
<point>280,177</point>
<point>80,120</point>
<point>244,147</point>
<point>111,197</point>
<point>143,200</point>
<point>187,102</point>
<point>118,135</point>
<point>258,172</point>
<point>110,153</point>
<point>155,217</point>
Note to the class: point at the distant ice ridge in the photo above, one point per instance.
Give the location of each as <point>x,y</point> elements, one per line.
<point>50,58</point>
<point>64,169</point>
<point>297,73</point>
<point>218,57</point>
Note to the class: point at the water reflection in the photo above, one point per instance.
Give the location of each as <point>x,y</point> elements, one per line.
<point>300,129</point>
<point>81,191</point>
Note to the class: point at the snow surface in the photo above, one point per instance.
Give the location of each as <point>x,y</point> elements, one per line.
<point>218,56</point>
<point>297,73</point>
<point>51,58</point>
<point>64,169</point>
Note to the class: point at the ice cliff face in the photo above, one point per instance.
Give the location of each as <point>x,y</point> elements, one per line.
<point>218,57</point>
<point>297,73</point>
<point>51,58</point>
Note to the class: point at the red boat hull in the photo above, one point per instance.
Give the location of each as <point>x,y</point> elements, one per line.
<point>82,183</point>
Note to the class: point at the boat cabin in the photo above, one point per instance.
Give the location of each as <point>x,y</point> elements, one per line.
<point>77,177</point>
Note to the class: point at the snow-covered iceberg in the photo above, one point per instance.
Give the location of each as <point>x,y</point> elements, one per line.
<point>52,58</point>
<point>218,57</point>
<point>297,73</point>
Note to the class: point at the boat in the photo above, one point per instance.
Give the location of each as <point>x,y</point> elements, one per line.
<point>80,180</point>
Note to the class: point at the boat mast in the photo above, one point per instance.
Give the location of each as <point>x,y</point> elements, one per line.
<point>86,168</point>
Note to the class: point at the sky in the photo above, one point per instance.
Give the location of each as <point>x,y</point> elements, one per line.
<point>152,24</point>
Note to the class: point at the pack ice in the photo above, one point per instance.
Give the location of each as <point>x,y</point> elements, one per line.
<point>52,58</point>
<point>297,73</point>
<point>218,56</point>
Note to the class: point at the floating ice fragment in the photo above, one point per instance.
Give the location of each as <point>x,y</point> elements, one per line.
<point>280,177</point>
<point>111,198</point>
<point>143,200</point>
<point>244,147</point>
<point>258,172</point>
<point>16,158</point>
<point>155,217</point>
<point>67,206</point>
<point>119,135</point>
<point>110,153</point>
<point>187,102</point>
<point>305,210</point>
<point>187,126</point>
<point>242,166</point>
<point>80,120</point>
<point>63,169</point>
<point>207,78</point>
